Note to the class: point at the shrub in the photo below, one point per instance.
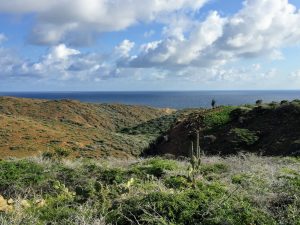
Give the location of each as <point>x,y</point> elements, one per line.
<point>273,104</point>
<point>177,182</point>
<point>156,167</point>
<point>218,118</point>
<point>283,102</point>
<point>17,176</point>
<point>62,152</point>
<point>48,155</point>
<point>243,136</point>
<point>58,209</point>
<point>113,176</point>
<point>241,178</point>
<point>193,206</point>
<point>214,168</point>
<point>259,102</point>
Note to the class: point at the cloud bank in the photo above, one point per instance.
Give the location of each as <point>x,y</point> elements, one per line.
<point>259,28</point>
<point>63,20</point>
<point>190,46</point>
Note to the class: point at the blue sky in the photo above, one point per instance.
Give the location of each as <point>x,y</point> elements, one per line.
<point>97,45</point>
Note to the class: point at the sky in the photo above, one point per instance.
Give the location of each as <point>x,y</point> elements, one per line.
<point>149,45</point>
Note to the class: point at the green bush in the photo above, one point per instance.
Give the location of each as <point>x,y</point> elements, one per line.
<point>58,209</point>
<point>243,136</point>
<point>241,178</point>
<point>177,182</point>
<point>216,168</point>
<point>193,206</point>
<point>218,118</point>
<point>17,176</point>
<point>156,126</point>
<point>156,167</point>
<point>113,176</point>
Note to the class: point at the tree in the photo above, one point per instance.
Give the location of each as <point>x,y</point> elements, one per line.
<point>259,102</point>
<point>213,103</point>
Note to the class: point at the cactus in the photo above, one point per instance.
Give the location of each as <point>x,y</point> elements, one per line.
<point>195,159</point>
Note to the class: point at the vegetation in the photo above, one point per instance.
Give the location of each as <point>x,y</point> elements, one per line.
<point>267,129</point>
<point>213,103</point>
<point>259,102</point>
<point>67,127</point>
<point>243,136</point>
<point>242,189</point>
<point>152,128</point>
<point>218,117</point>
<point>63,185</point>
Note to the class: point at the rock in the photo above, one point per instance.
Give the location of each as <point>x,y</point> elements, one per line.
<point>4,205</point>
<point>10,201</point>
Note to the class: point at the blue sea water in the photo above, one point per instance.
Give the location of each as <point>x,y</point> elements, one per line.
<point>171,99</point>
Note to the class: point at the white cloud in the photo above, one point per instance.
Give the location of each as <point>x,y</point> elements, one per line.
<point>61,52</point>
<point>295,74</point>
<point>124,48</point>
<point>260,28</point>
<point>276,55</point>
<point>58,20</point>
<point>189,48</point>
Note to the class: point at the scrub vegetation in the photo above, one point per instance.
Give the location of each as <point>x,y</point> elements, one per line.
<point>66,162</point>
<point>241,189</point>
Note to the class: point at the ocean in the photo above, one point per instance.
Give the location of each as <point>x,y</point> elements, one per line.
<point>170,99</point>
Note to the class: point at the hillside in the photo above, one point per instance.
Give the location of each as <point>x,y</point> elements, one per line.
<point>67,127</point>
<point>267,129</point>
<point>108,184</point>
<point>74,129</point>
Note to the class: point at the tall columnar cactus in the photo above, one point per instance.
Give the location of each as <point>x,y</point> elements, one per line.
<point>195,159</point>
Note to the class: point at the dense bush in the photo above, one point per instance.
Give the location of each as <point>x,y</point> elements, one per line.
<point>243,136</point>
<point>219,117</point>
<point>15,176</point>
<point>156,167</point>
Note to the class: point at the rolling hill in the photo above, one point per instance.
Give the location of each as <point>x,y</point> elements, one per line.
<point>267,129</point>
<point>66,127</point>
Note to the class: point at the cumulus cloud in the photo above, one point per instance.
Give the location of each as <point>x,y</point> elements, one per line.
<point>259,28</point>
<point>62,63</point>
<point>124,48</point>
<point>58,20</point>
<point>190,47</point>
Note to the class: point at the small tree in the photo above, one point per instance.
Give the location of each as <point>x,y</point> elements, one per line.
<point>213,103</point>
<point>259,102</point>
